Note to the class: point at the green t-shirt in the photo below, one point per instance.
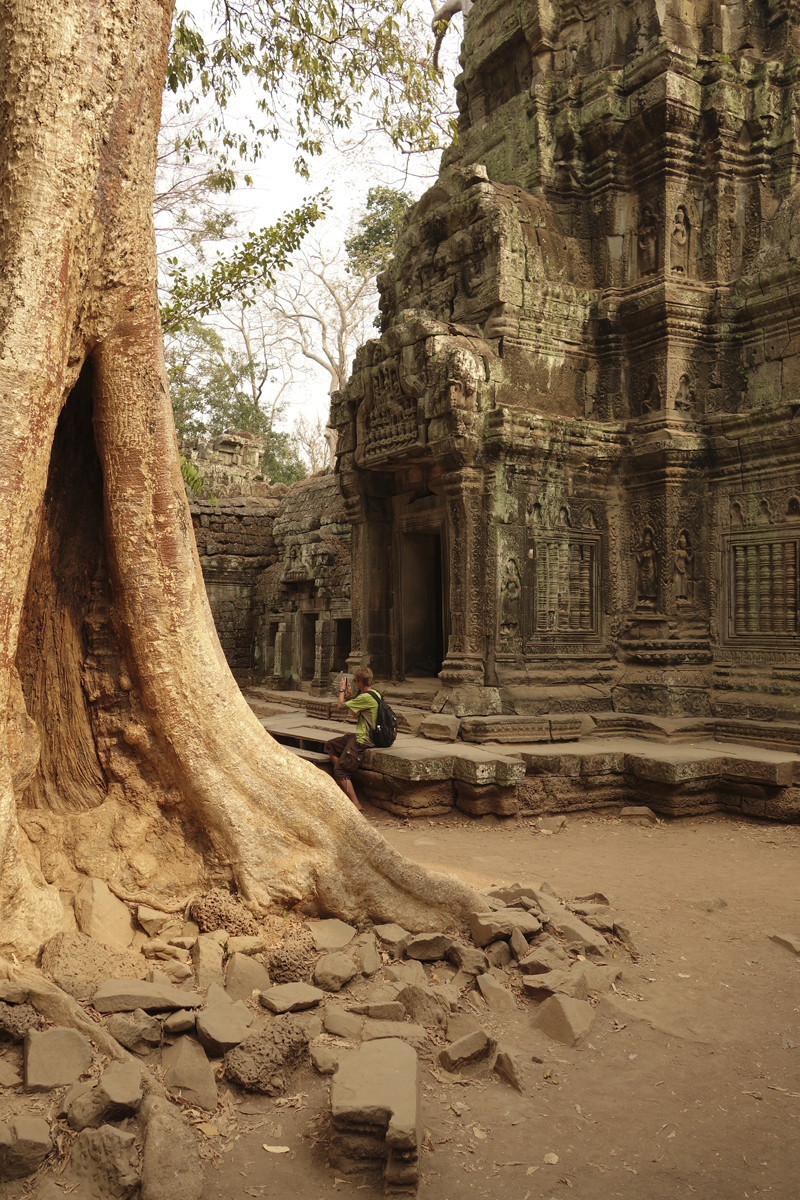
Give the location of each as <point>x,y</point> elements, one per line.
<point>367,708</point>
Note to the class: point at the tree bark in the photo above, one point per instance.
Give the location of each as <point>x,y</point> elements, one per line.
<point>128,751</point>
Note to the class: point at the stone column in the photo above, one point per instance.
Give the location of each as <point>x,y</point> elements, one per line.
<point>467,536</point>
<point>355,516</point>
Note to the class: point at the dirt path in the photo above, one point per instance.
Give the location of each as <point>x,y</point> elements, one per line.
<point>693,1091</point>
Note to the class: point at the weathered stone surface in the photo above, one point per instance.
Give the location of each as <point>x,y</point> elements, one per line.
<point>78,964</point>
<point>17,1019</point>
<point>381,1010</point>
<point>55,1058</point>
<point>117,1094</point>
<point>423,1005</point>
<point>179,1022</point>
<point>406,973</point>
<point>207,955</point>
<point>406,1030</point>
<point>440,727</point>
<point>518,944</point>
<point>325,1059</point>
<point>8,1076</point>
<point>100,915</point>
<point>488,927</point>
<point>331,935</point>
<point>638,814</point>
<point>139,1034</point>
<point>220,1027</point>
<point>266,1059</point>
<point>470,1048</point>
<point>126,995</point>
<point>546,955</point>
<point>564,1019</point>
<point>499,953</point>
<point>341,1023</point>
<point>245,945</point>
<point>188,1073</point>
<point>171,1166</point>
<point>377,1088</point>
<point>291,997</point>
<point>496,996</point>
<point>392,938</point>
<point>459,1025</point>
<point>789,940</point>
<point>24,1144</point>
<point>105,1162</point>
<point>468,959</point>
<point>365,951</point>
<point>13,992</point>
<point>244,975</point>
<point>429,947</point>
<point>508,1065</point>
<point>333,971</point>
<point>566,983</point>
<point>151,920</point>
<point>576,934</point>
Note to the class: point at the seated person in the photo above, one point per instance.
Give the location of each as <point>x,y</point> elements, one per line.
<point>346,752</point>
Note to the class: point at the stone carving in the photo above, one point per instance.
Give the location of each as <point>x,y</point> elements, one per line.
<point>652,397</point>
<point>737,517</point>
<point>764,587</point>
<point>684,559</point>
<point>793,509</point>
<point>684,396</point>
<point>679,243</point>
<point>647,242</point>
<point>390,418</point>
<point>509,601</point>
<point>647,570</point>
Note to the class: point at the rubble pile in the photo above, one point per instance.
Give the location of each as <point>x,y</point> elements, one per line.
<point>223,1002</point>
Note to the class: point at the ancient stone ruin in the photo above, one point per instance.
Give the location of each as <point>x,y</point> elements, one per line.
<point>570,461</point>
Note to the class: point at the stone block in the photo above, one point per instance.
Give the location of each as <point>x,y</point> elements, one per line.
<point>638,814</point>
<point>117,1094</point>
<point>189,1074</point>
<point>789,941</point>
<point>488,927</point>
<point>460,1025</point>
<point>207,955</point>
<point>245,945</point>
<point>565,728</point>
<point>564,1019</point>
<point>138,1034</point>
<point>13,992</point>
<point>546,955</point>
<point>439,727</point>
<point>392,938</point>
<point>244,975</point>
<point>265,1061</point>
<point>105,1162</point>
<point>424,1005</point>
<point>8,1076</point>
<point>179,1022</point>
<point>17,1019</point>
<point>55,1058</point>
<point>220,1027</point>
<point>480,800</point>
<point>325,1059</point>
<point>78,964</point>
<point>126,995</point>
<point>151,920</point>
<point>377,1089</point>
<point>291,997</point>
<point>341,1023</point>
<point>468,959</point>
<point>171,1166</point>
<point>429,947</point>
<point>565,983</point>
<point>100,915</point>
<point>331,935</point>
<point>518,944</point>
<point>498,998</point>
<point>333,971</point>
<point>499,953</point>
<point>381,1010</point>
<point>365,950</point>
<point>406,1030</point>
<point>514,729</point>
<point>24,1145</point>
<point>470,1048</point>
<point>508,1066</point>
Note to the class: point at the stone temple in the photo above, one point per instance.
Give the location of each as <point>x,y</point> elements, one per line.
<point>570,462</point>
<point>567,538</point>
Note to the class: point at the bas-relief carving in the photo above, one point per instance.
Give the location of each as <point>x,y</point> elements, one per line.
<point>651,401</point>
<point>679,244</point>
<point>510,592</point>
<point>684,570</point>
<point>684,396</point>
<point>647,243</point>
<point>646,571</point>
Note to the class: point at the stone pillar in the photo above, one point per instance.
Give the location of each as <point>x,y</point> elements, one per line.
<point>355,516</point>
<point>467,536</point>
<point>370,593</point>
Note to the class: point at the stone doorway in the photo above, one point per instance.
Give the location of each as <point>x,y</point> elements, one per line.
<point>341,647</point>
<point>422,615</point>
<point>308,644</point>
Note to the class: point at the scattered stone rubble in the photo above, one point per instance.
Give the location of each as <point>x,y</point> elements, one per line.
<point>361,1008</point>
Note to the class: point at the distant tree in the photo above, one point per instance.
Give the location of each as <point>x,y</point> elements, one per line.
<point>372,245</point>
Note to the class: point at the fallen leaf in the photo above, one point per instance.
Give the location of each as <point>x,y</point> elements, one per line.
<point>551,1159</point>
<point>479,1133</point>
<point>277,1149</point>
<point>208,1129</point>
<point>531,1170</point>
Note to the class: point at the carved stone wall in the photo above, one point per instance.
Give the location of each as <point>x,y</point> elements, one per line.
<point>573,449</point>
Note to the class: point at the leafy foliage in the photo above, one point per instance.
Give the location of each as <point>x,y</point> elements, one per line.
<point>371,247</point>
<point>195,481</point>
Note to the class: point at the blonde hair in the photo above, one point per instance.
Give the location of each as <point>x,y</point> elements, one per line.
<point>363,675</point>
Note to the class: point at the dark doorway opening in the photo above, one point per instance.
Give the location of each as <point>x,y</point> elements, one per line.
<point>423,618</point>
<point>341,647</point>
<point>308,640</point>
<point>272,634</point>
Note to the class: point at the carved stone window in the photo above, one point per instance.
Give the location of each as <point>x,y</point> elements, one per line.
<point>763,577</point>
<point>561,594</point>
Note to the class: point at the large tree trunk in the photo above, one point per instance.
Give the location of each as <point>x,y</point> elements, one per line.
<point>127,749</point>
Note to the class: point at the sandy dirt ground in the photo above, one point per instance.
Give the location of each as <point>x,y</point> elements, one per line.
<point>691,1087</point>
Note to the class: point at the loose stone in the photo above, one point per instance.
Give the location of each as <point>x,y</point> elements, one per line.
<point>467,1049</point>
<point>291,997</point>
<point>333,971</point>
<point>331,935</point>
<point>496,996</point>
<point>564,1019</point>
<point>55,1058</point>
<point>429,947</point>
<point>188,1073</point>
